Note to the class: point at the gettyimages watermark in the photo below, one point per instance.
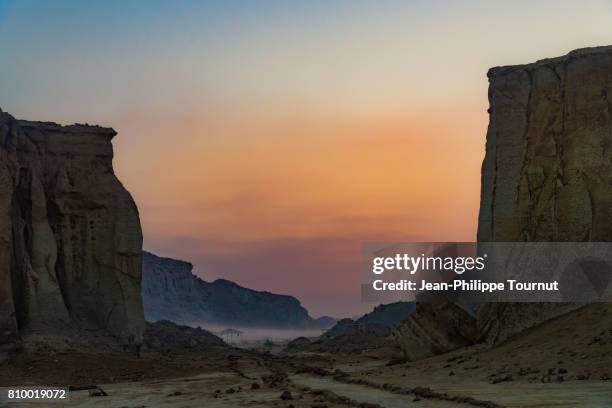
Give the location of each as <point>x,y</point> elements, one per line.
<point>488,272</point>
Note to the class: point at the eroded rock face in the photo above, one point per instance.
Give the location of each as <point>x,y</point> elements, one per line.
<point>170,291</point>
<point>435,328</point>
<point>70,236</point>
<point>547,173</point>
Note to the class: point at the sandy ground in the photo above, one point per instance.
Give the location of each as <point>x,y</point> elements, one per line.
<point>565,363</point>
<point>311,381</point>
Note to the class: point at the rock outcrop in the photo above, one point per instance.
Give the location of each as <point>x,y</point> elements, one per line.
<point>388,315</point>
<point>170,291</point>
<point>170,339</point>
<point>350,327</point>
<point>547,173</point>
<point>70,237</point>
<point>435,328</point>
<point>379,321</point>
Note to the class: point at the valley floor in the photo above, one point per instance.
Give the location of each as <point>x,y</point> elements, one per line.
<point>564,363</point>
<point>324,381</point>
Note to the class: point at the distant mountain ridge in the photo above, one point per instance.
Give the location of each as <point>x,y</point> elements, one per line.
<point>170,291</point>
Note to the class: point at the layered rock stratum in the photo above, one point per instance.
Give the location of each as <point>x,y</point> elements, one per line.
<point>70,235</point>
<point>547,173</point>
<point>170,291</point>
<point>435,328</point>
<point>546,176</point>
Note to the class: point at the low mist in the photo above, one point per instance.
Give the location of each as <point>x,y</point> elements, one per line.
<point>249,336</point>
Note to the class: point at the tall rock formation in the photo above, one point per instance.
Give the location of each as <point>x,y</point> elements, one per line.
<point>170,291</point>
<point>70,237</point>
<point>547,173</point>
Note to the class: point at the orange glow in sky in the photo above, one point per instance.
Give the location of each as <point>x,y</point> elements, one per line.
<point>266,141</point>
<point>302,193</point>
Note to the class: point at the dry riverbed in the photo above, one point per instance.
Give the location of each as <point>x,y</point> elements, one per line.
<point>329,381</point>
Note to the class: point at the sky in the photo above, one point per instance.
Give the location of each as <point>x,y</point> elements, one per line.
<point>266,141</point>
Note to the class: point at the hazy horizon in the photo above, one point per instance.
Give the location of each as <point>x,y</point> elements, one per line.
<point>265,141</point>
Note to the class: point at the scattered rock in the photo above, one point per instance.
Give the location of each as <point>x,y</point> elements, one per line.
<point>499,378</point>
<point>396,361</point>
<point>97,392</point>
<point>528,371</point>
<point>275,379</point>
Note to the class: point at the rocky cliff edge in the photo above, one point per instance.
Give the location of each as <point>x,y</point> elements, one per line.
<point>70,236</point>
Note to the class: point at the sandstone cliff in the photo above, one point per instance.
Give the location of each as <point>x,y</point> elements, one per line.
<point>170,291</point>
<point>70,237</point>
<point>547,173</point>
